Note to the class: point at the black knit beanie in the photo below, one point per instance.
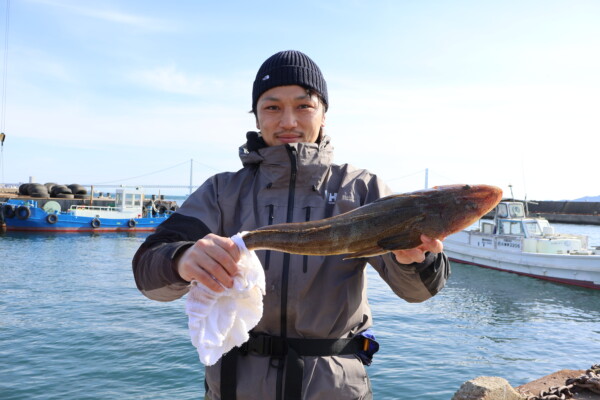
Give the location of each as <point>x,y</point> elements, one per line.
<point>289,68</point>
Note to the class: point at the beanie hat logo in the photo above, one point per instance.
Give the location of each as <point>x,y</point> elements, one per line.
<point>289,68</point>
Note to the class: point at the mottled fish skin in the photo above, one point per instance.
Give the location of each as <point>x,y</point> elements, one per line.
<point>394,222</point>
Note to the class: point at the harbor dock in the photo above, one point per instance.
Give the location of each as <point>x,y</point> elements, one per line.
<point>564,212</point>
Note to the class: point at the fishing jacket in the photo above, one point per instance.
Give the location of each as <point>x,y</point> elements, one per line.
<point>307,297</point>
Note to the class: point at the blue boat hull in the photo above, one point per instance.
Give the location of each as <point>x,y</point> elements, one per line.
<point>35,219</point>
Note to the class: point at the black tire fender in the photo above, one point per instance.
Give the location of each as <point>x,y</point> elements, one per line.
<point>23,212</point>
<point>51,218</point>
<point>8,210</point>
<point>95,223</point>
<point>131,223</point>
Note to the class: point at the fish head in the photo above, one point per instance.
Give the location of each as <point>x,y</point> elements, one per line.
<point>459,206</point>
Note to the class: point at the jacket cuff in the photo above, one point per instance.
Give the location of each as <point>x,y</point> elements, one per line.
<point>173,254</point>
<point>418,267</point>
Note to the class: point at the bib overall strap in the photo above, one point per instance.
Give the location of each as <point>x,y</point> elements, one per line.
<point>229,374</point>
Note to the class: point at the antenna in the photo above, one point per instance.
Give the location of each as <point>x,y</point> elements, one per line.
<point>191,173</point>
<point>524,182</point>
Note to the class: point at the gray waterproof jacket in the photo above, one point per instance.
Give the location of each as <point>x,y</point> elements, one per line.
<point>306,296</point>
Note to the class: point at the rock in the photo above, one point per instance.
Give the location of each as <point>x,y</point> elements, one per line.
<point>555,379</point>
<point>487,388</point>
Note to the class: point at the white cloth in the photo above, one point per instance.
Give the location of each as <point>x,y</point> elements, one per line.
<point>219,321</point>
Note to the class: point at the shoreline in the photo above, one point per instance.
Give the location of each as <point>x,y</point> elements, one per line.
<point>563,384</point>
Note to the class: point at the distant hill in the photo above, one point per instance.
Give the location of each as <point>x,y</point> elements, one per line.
<point>588,198</point>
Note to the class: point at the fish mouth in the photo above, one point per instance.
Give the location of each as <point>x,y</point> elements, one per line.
<point>490,196</point>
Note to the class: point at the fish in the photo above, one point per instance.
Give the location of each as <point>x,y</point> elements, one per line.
<point>394,222</point>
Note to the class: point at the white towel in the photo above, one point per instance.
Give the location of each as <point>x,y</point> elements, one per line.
<point>219,321</point>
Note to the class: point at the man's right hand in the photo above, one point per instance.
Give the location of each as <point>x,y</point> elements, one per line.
<point>212,261</point>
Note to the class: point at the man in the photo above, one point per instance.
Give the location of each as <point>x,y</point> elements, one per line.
<point>308,343</point>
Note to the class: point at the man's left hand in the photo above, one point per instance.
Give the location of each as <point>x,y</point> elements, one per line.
<point>417,254</point>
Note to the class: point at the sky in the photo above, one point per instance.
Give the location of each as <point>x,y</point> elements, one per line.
<point>421,92</point>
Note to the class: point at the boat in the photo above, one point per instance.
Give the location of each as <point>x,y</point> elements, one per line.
<point>515,242</point>
<point>128,211</point>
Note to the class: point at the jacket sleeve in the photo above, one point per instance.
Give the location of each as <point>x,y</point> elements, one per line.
<point>154,266</point>
<point>415,282</point>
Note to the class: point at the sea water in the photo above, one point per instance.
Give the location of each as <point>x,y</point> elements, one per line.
<point>74,326</point>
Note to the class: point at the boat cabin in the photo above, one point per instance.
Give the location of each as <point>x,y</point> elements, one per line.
<point>513,230</point>
<point>128,204</point>
<point>511,219</point>
<point>129,198</point>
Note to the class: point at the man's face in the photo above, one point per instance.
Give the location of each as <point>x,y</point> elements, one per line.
<point>287,114</point>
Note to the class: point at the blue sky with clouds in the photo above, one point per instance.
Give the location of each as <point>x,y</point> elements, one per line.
<point>475,91</point>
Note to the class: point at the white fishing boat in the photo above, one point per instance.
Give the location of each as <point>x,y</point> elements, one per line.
<point>515,242</point>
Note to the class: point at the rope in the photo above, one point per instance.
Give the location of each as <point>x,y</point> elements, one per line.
<point>114,181</point>
<point>422,172</point>
<point>451,180</point>
<point>406,176</point>
<point>144,175</point>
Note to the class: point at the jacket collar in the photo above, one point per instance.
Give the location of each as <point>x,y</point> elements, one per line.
<point>313,160</point>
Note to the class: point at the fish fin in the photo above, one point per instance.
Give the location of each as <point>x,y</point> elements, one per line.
<point>402,241</point>
<point>405,239</point>
<point>370,252</point>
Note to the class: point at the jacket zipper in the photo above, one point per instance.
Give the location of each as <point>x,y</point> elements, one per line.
<point>286,256</point>
<point>286,263</point>
<point>268,252</point>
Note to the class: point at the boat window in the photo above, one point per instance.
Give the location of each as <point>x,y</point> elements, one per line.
<point>502,211</point>
<point>511,228</point>
<point>543,224</point>
<point>515,228</point>
<point>533,228</point>
<point>487,228</point>
<point>516,210</point>
<point>131,200</point>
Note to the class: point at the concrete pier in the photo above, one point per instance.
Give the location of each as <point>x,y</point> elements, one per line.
<point>568,212</point>
<point>564,212</point>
